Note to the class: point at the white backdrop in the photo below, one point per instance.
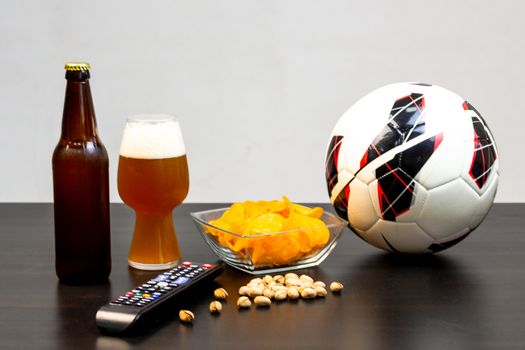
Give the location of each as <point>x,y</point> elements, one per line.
<point>258,85</point>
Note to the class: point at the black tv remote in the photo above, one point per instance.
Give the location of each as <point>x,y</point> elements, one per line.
<point>121,313</point>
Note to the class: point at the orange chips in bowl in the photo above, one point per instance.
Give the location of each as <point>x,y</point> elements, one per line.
<point>271,232</point>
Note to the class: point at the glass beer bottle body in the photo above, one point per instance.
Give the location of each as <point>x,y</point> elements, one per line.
<point>81,190</point>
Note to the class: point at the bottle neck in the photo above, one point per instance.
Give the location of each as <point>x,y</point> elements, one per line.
<point>78,121</point>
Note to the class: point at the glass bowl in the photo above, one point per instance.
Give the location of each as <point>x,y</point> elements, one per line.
<point>248,260</point>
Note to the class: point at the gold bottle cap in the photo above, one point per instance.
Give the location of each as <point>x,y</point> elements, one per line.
<point>76,66</point>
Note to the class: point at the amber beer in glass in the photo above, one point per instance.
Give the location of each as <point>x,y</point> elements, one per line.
<point>153,179</point>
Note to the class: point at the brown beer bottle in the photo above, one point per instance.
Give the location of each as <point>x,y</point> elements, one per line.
<point>81,188</point>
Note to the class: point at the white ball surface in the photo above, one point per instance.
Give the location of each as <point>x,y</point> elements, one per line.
<point>412,167</point>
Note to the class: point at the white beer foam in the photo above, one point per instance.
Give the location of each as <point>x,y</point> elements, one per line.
<point>152,137</point>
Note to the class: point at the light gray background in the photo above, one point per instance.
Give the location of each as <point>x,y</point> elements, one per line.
<point>258,85</point>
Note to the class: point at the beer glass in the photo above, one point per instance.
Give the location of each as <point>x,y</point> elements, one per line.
<point>153,179</point>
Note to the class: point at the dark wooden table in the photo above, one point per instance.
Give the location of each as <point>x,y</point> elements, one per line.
<point>469,297</point>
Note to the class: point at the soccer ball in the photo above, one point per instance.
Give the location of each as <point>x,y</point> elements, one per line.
<point>413,168</point>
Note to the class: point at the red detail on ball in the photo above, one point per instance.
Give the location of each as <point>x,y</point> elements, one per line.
<point>438,140</point>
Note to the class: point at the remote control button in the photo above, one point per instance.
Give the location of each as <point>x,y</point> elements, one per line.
<point>199,269</point>
<point>155,296</point>
<point>115,302</point>
<point>130,294</point>
<point>194,266</point>
<point>181,280</point>
<point>146,295</point>
<point>186,263</point>
<point>152,289</point>
<point>207,266</point>
<point>136,291</point>
<point>173,285</point>
<point>162,284</point>
<point>128,303</point>
<point>159,278</point>
<point>167,289</point>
